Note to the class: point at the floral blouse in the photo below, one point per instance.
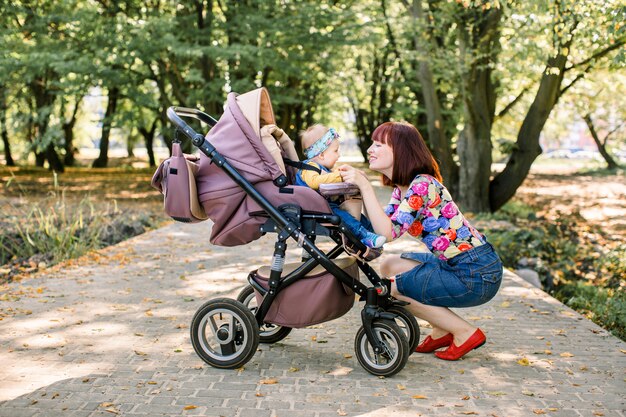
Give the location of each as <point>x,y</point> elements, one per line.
<point>428,213</point>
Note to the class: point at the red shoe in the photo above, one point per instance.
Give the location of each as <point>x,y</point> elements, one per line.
<point>454,353</point>
<point>430,345</point>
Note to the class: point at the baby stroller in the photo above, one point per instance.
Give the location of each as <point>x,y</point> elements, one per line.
<point>244,185</point>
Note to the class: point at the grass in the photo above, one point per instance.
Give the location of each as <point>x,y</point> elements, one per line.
<point>48,218</point>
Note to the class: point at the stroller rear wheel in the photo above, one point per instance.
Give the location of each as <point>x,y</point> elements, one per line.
<point>408,324</point>
<point>268,333</point>
<point>395,349</point>
<point>224,333</point>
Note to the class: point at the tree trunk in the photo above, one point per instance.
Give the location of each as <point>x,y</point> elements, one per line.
<point>103,159</point>
<point>54,162</point>
<point>478,39</point>
<point>149,138</point>
<point>68,131</point>
<point>610,162</point>
<point>439,144</point>
<point>506,183</point>
<point>4,133</point>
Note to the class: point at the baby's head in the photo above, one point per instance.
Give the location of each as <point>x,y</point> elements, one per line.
<point>321,145</point>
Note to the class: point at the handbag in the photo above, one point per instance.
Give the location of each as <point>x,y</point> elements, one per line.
<point>175,178</point>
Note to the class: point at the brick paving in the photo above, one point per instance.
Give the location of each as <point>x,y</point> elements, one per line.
<point>109,335</point>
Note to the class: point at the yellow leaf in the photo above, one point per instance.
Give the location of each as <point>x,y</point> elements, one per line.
<point>465,398</point>
<point>505,304</point>
<point>469,413</point>
<point>293,369</point>
<point>347,356</point>
<point>400,387</point>
<point>314,338</point>
<point>566,355</point>
<point>140,353</point>
<point>523,362</point>
<point>553,409</point>
<point>538,411</point>
<point>623,351</point>
<point>258,394</point>
<point>269,381</point>
<point>598,413</point>
<point>151,382</point>
<point>190,407</point>
<point>419,397</point>
<point>39,290</point>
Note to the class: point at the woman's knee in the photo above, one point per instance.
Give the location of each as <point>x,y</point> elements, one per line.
<point>393,265</point>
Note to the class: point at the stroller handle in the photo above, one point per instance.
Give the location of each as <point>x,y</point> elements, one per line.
<point>175,115</point>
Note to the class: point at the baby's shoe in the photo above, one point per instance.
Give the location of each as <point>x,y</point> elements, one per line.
<point>372,240</point>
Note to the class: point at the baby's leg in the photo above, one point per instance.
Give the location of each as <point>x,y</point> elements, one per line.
<point>353,206</point>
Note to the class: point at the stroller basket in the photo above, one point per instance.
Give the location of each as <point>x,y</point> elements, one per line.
<point>315,298</point>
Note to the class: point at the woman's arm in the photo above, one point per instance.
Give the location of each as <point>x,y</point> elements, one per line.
<point>375,213</point>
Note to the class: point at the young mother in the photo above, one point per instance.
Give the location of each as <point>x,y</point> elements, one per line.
<point>461,270</point>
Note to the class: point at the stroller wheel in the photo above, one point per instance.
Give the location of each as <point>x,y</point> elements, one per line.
<point>268,333</point>
<point>224,333</point>
<point>395,354</point>
<point>408,324</point>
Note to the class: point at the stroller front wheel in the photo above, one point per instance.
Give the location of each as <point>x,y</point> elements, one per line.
<point>268,333</point>
<point>408,324</point>
<point>224,333</point>
<point>395,349</point>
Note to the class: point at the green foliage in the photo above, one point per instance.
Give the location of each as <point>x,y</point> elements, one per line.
<point>604,306</point>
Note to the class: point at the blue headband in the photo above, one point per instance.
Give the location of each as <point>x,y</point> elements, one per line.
<point>321,144</point>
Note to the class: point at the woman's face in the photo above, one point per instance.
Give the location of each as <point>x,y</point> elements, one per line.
<point>381,158</point>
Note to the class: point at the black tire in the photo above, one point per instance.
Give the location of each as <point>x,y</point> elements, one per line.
<point>224,333</point>
<point>397,349</point>
<point>268,333</point>
<point>408,324</point>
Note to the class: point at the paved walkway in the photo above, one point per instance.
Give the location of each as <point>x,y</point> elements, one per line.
<point>109,336</point>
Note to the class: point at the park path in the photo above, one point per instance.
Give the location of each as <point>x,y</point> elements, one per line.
<point>108,335</point>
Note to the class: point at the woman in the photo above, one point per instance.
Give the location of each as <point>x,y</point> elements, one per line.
<point>461,269</point>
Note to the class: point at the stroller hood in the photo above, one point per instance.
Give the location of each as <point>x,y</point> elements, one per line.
<point>224,201</point>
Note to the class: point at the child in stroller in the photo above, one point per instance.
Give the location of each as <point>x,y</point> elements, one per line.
<point>247,193</point>
<point>321,148</point>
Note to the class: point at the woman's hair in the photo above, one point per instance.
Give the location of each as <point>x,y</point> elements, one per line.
<point>411,156</point>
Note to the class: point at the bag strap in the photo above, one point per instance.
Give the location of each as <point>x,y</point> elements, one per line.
<point>301,165</point>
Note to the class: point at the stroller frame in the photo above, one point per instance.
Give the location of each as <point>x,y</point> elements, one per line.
<point>289,222</point>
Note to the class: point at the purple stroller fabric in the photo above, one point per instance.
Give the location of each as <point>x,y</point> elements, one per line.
<point>226,204</point>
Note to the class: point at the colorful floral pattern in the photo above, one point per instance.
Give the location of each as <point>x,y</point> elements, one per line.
<point>428,213</point>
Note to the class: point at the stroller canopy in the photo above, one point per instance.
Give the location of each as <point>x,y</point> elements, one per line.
<point>236,136</point>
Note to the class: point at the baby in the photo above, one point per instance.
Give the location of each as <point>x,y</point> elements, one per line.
<point>321,149</point>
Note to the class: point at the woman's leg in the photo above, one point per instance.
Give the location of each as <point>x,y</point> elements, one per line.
<point>442,319</point>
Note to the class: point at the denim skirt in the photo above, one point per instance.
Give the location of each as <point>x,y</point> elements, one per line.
<point>469,279</point>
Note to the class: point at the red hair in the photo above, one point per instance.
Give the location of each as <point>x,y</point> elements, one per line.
<point>411,156</point>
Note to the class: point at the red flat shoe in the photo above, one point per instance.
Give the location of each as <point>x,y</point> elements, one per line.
<point>454,352</point>
<point>430,345</point>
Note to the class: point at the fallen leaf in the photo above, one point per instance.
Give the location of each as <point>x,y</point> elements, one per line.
<point>314,338</point>
<point>419,397</point>
<point>623,351</point>
<point>566,355</point>
<point>469,413</point>
<point>505,304</point>
<point>151,382</point>
<point>465,398</point>
<point>529,393</point>
<point>140,353</point>
<point>294,369</point>
<point>258,394</point>
<point>496,393</point>
<point>538,411</point>
<point>341,412</point>
<point>523,362</point>
<point>347,355</point>
<point>268,381</point>
<point>598,413</point>
<point>400,387</point>
<point>190,407</point>
<point>342,370</point>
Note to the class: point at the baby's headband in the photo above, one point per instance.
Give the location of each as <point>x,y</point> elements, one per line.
<point>321,144</point>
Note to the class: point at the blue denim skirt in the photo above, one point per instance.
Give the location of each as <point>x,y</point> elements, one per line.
<point>469,279</point>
